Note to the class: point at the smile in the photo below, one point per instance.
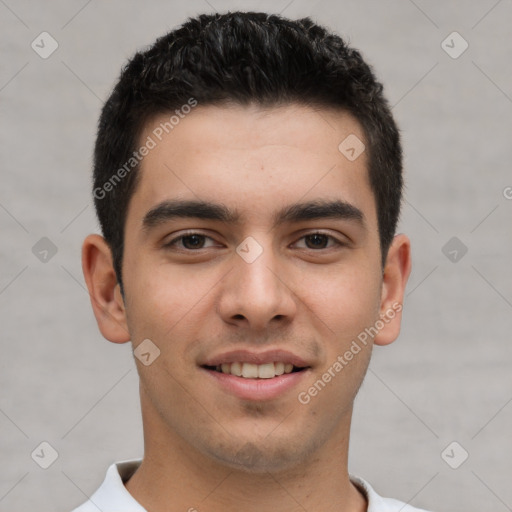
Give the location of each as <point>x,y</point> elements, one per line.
<point>255,371</point>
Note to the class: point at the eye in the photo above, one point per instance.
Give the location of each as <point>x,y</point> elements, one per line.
<point>189,242</point>
<point>194,241</point>
<point>320,241</point>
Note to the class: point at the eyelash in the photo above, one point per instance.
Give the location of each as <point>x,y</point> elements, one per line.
<point>174,241</point>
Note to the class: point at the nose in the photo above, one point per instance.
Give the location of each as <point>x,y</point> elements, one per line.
<point>257,294</point>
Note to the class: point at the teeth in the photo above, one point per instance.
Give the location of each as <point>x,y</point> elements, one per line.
<point>236,369</point>
<point>249,371</point>
<point>255,371</point>
<point>266,371</point>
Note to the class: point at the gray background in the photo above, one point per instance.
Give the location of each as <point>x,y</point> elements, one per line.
<point>448,376</point>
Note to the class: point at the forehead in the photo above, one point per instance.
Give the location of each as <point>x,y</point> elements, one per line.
<point>256,160</point>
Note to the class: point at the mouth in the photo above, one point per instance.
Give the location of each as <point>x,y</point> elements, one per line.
<point>256,371</point>
<point>251,376</point>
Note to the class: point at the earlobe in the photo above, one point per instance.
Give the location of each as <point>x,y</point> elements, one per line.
<point>104,291</point>
<point>396,273</point>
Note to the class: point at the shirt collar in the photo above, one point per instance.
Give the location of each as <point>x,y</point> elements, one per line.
<point>113,493</point>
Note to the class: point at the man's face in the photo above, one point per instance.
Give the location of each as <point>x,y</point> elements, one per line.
<point>262,288</point>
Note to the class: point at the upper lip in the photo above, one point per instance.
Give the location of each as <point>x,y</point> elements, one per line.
<point>246,356</point>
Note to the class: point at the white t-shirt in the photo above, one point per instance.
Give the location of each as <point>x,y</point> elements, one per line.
<point>112,496</point>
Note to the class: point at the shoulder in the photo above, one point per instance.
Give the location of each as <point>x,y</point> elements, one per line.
<point>112,494</point>
<point>86,507</point>
<point>378,503</point>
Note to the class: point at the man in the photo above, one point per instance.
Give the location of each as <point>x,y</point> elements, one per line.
<point>248,180</point>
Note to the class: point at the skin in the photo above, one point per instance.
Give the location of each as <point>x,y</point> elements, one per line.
<point>204,447</point>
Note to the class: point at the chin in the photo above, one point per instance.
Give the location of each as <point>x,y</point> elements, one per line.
<point>262,457</point>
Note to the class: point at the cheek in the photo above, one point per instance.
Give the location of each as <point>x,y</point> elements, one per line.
<point>161,298</point>
<point>347,301</point>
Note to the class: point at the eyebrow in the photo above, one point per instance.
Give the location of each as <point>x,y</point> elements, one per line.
<point>298,212</point>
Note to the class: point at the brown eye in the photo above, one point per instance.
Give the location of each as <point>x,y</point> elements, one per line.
<point>190,242</point>
<point>318,241</point>
<point>193,241</point>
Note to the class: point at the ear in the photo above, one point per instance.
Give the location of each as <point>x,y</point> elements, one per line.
<point>396,274</point>
<point>104,290</point>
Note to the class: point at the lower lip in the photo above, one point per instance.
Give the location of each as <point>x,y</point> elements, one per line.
<point>257,389</point>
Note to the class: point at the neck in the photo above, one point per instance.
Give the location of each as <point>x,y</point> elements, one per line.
<point>174,476</point>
